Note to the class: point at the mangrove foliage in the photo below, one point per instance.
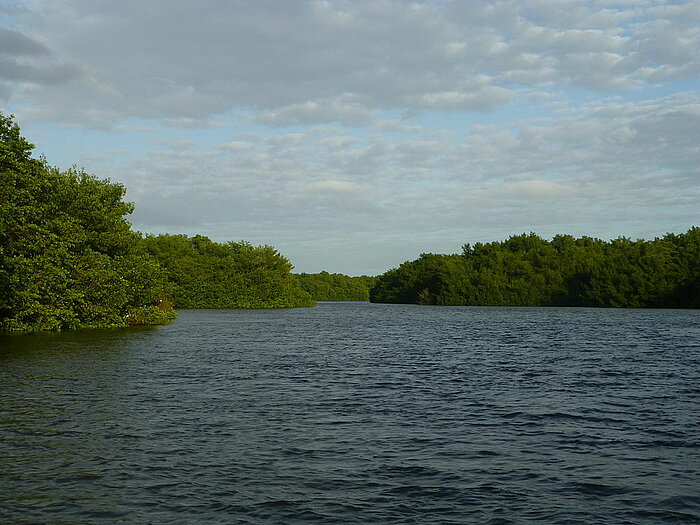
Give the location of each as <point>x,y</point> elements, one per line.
<point>68,257</point>
<point>206,274</point>
<point>326,286</point>
<point>526,270</point>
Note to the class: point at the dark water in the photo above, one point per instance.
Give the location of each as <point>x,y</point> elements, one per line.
<point>357,413</point>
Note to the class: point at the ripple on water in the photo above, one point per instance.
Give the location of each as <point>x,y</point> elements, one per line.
<point>357,413</point>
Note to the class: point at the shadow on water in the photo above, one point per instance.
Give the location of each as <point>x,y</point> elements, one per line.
<point>65,419</point>
<point>64,344</point>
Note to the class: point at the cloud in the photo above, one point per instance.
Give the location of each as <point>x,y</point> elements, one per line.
<point>311,112</point>
<point>14,43</point>
<point>338,142</point>
<point>307,62</point>
<point>484,99</point>
<point>395,126</point>
<point>620,163</point>
<point>26,64</point>
<point>333,128</point>
<point>538,189</point>
<point>335,187</point>
<point>667,45</point>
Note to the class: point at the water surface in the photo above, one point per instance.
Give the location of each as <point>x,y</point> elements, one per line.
<point>357,413</point>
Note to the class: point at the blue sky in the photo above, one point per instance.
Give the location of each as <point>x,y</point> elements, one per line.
<point>354,135</point>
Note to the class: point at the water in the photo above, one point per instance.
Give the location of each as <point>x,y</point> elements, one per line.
<point>357,413</point>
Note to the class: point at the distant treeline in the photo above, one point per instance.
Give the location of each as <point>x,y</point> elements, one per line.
<point>526,270</point>
<point>69,259</point>
<point>206,274</point>
<point>326,286</point>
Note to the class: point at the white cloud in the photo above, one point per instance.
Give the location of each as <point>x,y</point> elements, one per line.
<point>335,186</point>
<point>483,99</point>
<point>327,127</point>
<point>338,142</point>
<point>620,163</point>
<point>307,62</point>
<point>312,112</point>
<point>538,189</point>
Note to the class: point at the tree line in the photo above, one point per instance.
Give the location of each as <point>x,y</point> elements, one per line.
<point>206,274</point>
<point>526,270</point>
<point>69,258</point>
<point>326,286</point>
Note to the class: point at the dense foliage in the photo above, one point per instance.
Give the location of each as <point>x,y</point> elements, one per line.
<point>68,257</point>
<point>326,286</point>
<point>207,274</point>
<point>526,270</point>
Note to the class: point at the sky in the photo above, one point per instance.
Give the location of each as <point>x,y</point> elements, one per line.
<point>355,135</point>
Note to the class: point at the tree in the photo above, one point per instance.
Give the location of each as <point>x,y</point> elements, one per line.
<point>325,286</point>
<point>526,270</point>
<point>206,274</point>
<point>68,257</point>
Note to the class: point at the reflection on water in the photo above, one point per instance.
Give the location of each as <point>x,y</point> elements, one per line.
<point>65,403</point>
<point>357,413</point>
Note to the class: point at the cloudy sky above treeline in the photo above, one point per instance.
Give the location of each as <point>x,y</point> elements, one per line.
<point>355,135</point>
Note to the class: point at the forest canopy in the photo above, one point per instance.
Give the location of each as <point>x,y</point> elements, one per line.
<point>526,270</point>
<point>206,274</point>
<point>326,286</point>
<point>69,258</point>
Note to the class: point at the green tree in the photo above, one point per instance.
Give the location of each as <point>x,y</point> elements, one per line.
<point>206,274</point>
<point>326,286</point>
<point>68,257</point>
<point>526,270</point>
